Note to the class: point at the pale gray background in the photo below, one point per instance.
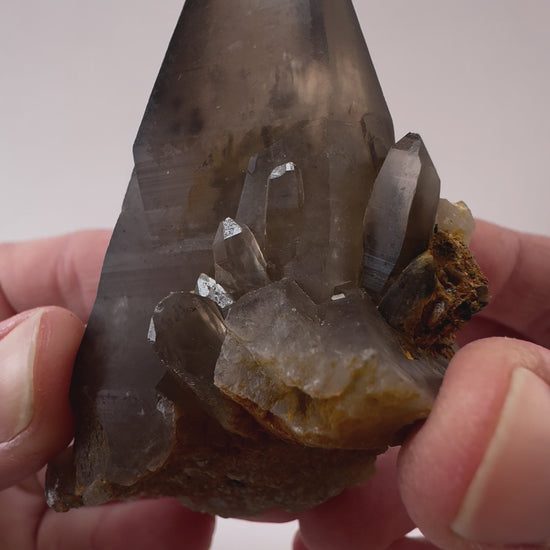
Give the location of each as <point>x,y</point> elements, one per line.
<point>471,76</point>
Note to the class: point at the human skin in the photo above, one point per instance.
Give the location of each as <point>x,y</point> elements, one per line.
<point>425,483</point>
<point>434,482</point>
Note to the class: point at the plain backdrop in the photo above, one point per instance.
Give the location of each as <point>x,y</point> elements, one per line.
<point>472,77</point>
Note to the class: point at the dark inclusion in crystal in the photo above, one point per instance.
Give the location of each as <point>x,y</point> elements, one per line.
<point>276,306</point>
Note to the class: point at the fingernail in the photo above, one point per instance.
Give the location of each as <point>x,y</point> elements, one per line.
<point>17,354</point>
<point>508,501</point>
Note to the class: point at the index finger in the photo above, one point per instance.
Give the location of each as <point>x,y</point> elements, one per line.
<point>518,268</point>
<point>62,271</point>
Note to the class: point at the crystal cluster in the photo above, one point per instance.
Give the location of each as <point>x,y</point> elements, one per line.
<point>280,296</point>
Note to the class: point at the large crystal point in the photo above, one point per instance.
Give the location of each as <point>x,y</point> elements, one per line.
<point>406,192</point>
<point>233,358</point>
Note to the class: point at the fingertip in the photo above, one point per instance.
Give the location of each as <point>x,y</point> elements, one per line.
<point>508,499</point>
<point>163,524</point>
<point>298,543</point>
<point>372,511</point>
<point>60,337</point>
<point>39,349</point>
<point>517,266</point>
<point>438,465</point>
<point>61,270</point>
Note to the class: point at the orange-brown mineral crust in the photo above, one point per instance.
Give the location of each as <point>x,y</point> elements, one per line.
<point>460,290</point>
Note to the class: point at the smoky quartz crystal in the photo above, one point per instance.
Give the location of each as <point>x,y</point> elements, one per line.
<point>280,295</point>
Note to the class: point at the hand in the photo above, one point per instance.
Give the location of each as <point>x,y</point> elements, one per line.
<point>38,344</point>
<point>478,471</point>
<point>433,472</point>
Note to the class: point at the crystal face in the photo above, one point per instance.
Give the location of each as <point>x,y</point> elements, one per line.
<point>280,296</point>
<point>411,204</point>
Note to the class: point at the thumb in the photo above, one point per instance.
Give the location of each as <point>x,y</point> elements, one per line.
<point>37,351</point>
<point>476,474</point>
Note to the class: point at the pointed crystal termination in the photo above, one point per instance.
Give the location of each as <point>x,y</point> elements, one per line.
<point>188,332</point>
<point>239,262</point>
<point>406,192</point>
<point>455,219</point>
<point>193,348</point>
<point>209,288</point>
<point>281,82</point>
<point>284,216</point>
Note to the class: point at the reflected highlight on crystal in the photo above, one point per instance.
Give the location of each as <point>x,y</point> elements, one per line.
<point>209,288</point>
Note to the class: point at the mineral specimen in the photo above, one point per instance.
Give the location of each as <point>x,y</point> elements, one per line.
<point>281,292</point>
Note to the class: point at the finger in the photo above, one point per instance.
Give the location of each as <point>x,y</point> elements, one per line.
<point>6,310</point>
<point>272,516</point>
<point>480,327</point>
<point>298,542</point>
<point>27,524</point>
<point>412,543</point>
<point>476,473</point>
<point>62,271</point>
<point>37,351</point>
<point>160,524</point>
<point>404,543</point>
<point>518,268</point>
<point>21,510</point>
<point>371,516</point>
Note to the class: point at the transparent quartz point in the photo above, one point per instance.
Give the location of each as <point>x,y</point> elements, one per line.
<point>252,208</point>
<point>284,216</point>
<point>456,219</point>
<point>195,343</point>
<point>188,335</point>
<point>209,288</point>
<point>239,263</point>
<point>400,216</point>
